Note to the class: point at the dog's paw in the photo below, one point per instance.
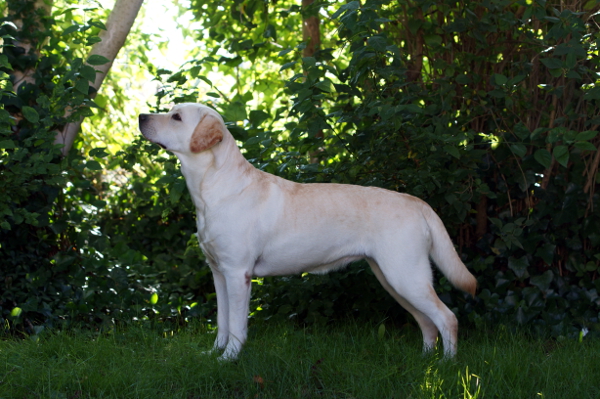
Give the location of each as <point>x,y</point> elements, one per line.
<point>228,356</point>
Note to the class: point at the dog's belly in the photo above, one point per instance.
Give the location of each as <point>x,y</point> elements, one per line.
<point>264,269</point>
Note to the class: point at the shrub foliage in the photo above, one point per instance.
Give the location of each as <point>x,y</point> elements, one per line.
<point>486,110</point>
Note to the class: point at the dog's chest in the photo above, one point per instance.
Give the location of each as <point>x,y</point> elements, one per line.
<point>203,232</point>
<point>205,241</point>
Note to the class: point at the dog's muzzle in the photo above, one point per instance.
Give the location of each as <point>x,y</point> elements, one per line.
<point>147,129</point>
<point>143,122</point>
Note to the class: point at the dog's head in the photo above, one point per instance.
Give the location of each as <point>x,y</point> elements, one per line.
<point>187,128</point>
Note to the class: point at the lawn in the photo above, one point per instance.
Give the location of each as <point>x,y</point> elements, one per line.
<point>281,361</point>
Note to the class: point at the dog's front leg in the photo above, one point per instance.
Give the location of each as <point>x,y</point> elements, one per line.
<point>238,296</point>
<point>222,310</point>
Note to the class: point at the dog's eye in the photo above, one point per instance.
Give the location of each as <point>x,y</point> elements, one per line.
<point>177,117</point>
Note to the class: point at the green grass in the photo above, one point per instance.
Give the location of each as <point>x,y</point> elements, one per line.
<point>280,361</point>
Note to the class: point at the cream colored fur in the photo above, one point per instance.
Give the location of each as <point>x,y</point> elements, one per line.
<point>251,223</point>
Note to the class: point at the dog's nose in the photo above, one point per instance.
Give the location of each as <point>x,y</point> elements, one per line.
<point>143,117</point>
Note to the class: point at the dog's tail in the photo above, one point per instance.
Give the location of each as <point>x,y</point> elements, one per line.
<point>444,255</point>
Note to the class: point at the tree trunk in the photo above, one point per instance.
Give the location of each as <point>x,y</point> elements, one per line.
<point>311,31</point>
<point>311,35</point>
<point>118,26</point>
<point>25,44</point>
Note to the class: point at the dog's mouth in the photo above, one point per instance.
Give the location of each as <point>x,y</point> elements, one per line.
<point>164,147</point>
<point>152,141</point>
<point>147,134</point>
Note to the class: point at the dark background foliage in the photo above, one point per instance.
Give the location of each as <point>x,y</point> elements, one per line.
<point>486,110</point>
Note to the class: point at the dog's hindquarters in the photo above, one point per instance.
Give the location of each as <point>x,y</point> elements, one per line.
<point>402,264</point>
<point>406,274</point>
<point>428,327</point>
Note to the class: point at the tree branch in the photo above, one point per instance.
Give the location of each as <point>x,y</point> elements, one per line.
<point>118,26</point>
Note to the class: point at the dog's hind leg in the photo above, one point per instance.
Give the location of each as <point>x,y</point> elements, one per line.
<point>430,304</point>
<point>428,328</point>
<point>412,280</point>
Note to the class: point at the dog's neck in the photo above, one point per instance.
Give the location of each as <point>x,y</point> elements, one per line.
<point>204,172</point>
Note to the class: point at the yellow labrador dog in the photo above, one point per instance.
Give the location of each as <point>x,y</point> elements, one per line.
<point>251,223</point>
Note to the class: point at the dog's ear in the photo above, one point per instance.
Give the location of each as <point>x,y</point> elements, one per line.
<point>207,133</point>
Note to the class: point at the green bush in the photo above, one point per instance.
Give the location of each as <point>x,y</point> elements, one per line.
<point>63,261</point>
<point>488,111</point>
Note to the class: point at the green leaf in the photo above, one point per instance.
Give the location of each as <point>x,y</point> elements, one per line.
<point>97,24</point>
<point>520,316</point>
<point>284,52</point>
<point>557,73</point>
<point>165,180</point>
<point>552,63</point>
<point>585,145</point>
<point>176,190</point>
<point>433,40</point>
<point>522,131</point>
<point>7,144</point>
<point>257,117</point>
<point>544,157</point>
<point>542,281</point>
<point>463,79</point>
<point>236,111</point>
<point>97,59</point>
<point>70,29</point>
<point>593,94</point>
<point>270,32</point>
<point>591,266</point>
<point>82,86</point>
<point>519,150</point>
<point>93,40</point>
<point>411,108</point>
<point>499,79</point>
<point>379,43</point>
<point>30,114</point>
<point>88,72</point>
<point>561,154</point>
<point>519,266</point>
<point>586,135</point>
<point>352,6</point>
<point>452,151</point>
<point>308,62</point>
<point>556,134</point>
<point>590,4</point>
<point>571,61</point>
<point>546,252</point>
<point>414,25</point>
<point>287,66</point>
<point>516,80</point>
<point>497,94</point>
<point>253,140</point>
<point>4,62</point>
<point>381,331</point>
<point>93,165</point>
<point>324,85</point>
<point>99,152</point>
